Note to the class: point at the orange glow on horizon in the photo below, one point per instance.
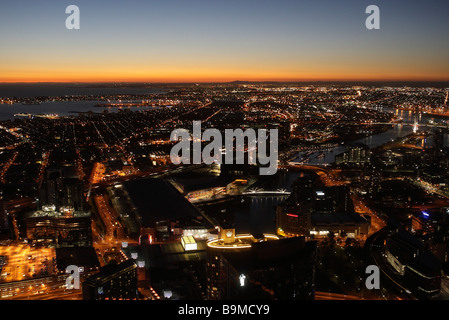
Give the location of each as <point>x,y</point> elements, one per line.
<point>203,69</point>
<point>213,72</point>
<point>212,78</point>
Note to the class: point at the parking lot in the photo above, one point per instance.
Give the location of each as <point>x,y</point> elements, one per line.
<point>26,262</point>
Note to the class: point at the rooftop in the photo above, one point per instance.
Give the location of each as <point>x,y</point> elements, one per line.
<point>157,200</point>
<point>337,218</point>
<point>109,271</point>
<point>272,253</point>
<point>241,241</point>
<point>79,256</point>
<point>63,212</point>
<point>163,255</point>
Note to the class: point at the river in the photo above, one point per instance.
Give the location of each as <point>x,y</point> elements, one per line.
<point>61,108</point>
<point>72,108</point>
<point>327,156</point>
<point>257,214</point>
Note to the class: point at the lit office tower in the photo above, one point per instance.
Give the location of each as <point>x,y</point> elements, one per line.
<point>371,181</point>
<point>293,216</point>
<point>357,154</point>
<point>265,267</point>
<point>61,191</point>
<point>216,276</point>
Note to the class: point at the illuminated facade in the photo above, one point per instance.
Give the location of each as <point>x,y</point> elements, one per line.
<point>59,228</point>
<point>354,155</point>
<point>227,241</point>
<point>291,222</point>
<point>313,210</point>
<point>245,267</point>
<point>61,189</point>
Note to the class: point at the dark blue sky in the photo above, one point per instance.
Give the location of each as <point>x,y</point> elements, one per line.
<point>245,39</point>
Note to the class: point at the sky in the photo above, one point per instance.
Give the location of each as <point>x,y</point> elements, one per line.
<point>208,41</point>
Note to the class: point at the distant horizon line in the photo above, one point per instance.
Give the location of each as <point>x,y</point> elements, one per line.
<point>225,82</point>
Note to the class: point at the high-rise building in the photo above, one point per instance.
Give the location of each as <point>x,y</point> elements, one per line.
<point>113,282</point>
<point>245,267</point>
<point>314,209</point>
<point>73,194</point>
<point>371,181</point>
<point>51,190</point>
<point>60,228</point>
<point>61,191</point>
<point>292,222</point>
<point>294,215</point>
<point>438,140</point>
<point>358,154</point>
<point>418,268</point>
<point>216,276</point>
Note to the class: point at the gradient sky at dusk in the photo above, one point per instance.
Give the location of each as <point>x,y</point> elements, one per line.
<point>201,41</point>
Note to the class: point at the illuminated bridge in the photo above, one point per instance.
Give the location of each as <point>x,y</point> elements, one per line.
<point>261,192</point>
<point>410,124</point>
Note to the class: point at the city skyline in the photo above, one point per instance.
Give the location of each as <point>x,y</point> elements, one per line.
<point>89,180</point>
<point>240,151</point>
<point>203,41</point>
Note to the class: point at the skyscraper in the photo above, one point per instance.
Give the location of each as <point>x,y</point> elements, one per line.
<point>245,267</point>
<point>73,194</point>
<point>51,190</point>
<point>61,191</point>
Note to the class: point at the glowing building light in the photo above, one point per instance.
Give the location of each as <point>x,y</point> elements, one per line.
<point>189,243</point>
<point>242,278</point>
<point>167,294</point>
